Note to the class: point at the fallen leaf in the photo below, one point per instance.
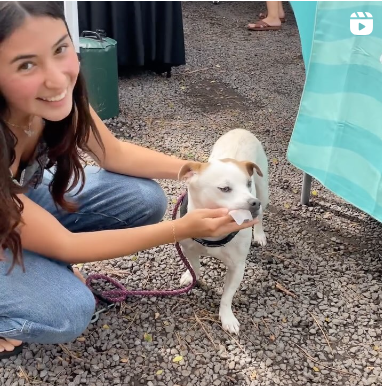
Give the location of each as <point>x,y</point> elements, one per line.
<point>376,348</point>
<point>159,372</point>
<point>327,319</point>
<point>134,258</point>
<point>272,337</point>
<point>171,105</point>
<point>156,315</point>
<point>316,369</point>
<point>284,320</point>
<point>166,323</point>
<point>314,193</point>
<point>213,81</point>
<point>174,201</point>
<point>106,326</point>
<point>217,66</point>
<point>177,359</point>
<point>286,291</point>
<point>182,87</point>
<point>124,360</point>
<point>147,337</point>
<point>253,375</point>
<point>295,190</point>
<point>275,161</point>
<point>81,339</point>
<point>286,205</point>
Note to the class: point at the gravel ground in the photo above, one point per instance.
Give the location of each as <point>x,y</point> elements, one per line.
<point>327,254</point>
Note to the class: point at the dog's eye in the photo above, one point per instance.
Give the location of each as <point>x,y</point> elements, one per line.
<point>249,184</point>
<point>225,189</point>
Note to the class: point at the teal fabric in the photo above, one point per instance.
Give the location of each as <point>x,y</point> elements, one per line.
<point>305,15</point>
<point>337,137</point>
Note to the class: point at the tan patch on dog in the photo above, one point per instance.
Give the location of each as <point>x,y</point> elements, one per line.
<point>245,166</point>
<point>190,167</point>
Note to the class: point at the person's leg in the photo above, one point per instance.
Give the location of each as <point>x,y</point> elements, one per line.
<point>46,304</point>
<point>108,201</point>
<point>281,13</point>
<point>271,21</point>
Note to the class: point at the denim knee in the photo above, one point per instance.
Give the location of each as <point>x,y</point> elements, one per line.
<point>66,325</point>
<point>44,323</point>
<point>155,202</point>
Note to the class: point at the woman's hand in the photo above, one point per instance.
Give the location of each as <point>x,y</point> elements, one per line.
<point>202,223</point>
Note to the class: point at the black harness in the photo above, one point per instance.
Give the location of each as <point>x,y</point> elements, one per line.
<point>204,242</point>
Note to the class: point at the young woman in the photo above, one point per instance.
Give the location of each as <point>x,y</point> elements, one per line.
<point>54,213</point>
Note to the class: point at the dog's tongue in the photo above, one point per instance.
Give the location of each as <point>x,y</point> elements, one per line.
<point>241,216</point>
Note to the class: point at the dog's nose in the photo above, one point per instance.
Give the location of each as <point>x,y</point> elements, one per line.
<point>255,204</point>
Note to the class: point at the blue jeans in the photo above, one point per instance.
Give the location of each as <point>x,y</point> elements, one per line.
<point>47,303</point>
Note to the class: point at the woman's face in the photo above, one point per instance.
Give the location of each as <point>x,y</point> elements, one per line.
<point>38,69</point>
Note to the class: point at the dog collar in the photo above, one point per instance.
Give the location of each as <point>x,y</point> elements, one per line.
<point>204,242</point>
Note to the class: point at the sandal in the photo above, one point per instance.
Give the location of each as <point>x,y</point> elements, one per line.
<point>261,25</point>
<point>7,354</point>
<point>264,15</point>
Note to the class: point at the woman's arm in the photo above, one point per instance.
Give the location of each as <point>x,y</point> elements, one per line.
<point>130,159</point>
<point>43,233</point>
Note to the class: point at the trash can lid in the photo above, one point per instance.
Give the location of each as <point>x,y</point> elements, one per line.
<point>95,39</point>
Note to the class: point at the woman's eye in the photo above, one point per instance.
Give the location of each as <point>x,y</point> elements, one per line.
<point>225,189</point>
<point>61,49</point>
<point>26,66</point>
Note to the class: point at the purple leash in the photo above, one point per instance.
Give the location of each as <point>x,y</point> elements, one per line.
<point>121,293</point>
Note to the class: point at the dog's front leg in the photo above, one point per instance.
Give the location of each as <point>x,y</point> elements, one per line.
<point>194,261</point>
<point>234,276</point>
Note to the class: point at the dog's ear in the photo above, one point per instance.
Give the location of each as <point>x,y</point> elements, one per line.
<point>190,169</point>
<point>250,166</point>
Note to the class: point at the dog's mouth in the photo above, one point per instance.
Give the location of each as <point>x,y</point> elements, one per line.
<point>255,213</point>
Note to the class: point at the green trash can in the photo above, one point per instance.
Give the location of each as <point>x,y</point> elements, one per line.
<point>98,55</point>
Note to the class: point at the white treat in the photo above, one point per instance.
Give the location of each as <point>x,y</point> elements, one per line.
<point>241,216</point>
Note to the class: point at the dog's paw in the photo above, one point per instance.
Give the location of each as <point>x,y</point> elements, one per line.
<point>186,278</point>
<point>229,322</point>
<point>260,238</point>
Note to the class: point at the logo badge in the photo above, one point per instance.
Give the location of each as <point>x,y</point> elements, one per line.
<point>361,23</point>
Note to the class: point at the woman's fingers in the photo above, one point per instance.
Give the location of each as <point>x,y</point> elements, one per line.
<point>228,222</point>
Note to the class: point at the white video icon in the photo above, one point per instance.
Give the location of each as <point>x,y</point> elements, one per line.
<point>361,23</point>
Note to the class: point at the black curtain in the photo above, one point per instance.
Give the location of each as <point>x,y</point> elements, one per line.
<point>148,33</point>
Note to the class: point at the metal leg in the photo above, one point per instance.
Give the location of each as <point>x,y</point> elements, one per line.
<point>305,192</point>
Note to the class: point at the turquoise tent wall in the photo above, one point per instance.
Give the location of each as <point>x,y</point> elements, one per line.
<point>337,137</point>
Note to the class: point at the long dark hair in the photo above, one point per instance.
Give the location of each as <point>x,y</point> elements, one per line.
<point>65,139</point>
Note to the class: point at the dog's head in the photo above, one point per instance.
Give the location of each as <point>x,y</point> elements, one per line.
<point>225,183</point>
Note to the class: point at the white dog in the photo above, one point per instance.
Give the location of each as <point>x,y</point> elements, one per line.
<point>235,177</point>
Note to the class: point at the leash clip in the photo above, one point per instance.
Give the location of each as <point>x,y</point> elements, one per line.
<point>95,316</point>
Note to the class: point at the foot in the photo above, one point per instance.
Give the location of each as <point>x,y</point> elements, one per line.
<point>8,347</point>
<point>281,16</point>
<point>229,321</point>
<point>186,278</point>
<point>78,274</point>
<point>265,24</point>
<point>260,238</point>
<point>259,235</point>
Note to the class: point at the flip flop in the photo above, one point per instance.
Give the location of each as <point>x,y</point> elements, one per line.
<point>264,15</point>
<point>14,352</point>
<point>261,25</point>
